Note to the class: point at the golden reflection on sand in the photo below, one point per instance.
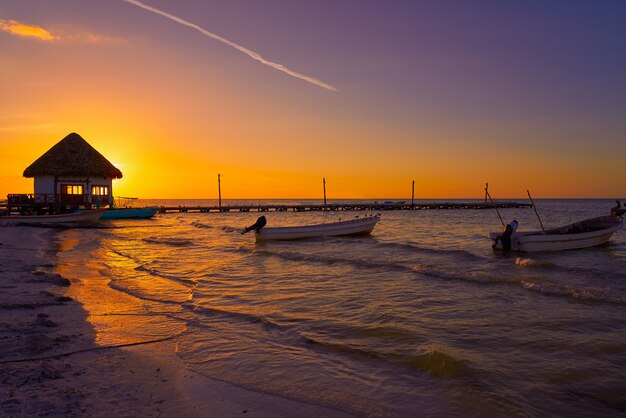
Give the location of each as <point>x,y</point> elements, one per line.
<point>116,317</point>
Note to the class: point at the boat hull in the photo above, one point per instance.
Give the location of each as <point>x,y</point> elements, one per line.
<point>65,219</point>
<point>129,213</point>
<point>559,239</point>
<point>361,226</point>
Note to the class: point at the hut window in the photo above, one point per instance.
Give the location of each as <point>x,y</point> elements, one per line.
<point>100,190</point>
<point>71,189</point>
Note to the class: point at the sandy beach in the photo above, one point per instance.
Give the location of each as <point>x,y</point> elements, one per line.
<point>52,363</point>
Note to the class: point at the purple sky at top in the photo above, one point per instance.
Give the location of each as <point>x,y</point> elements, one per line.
<point>563,60</point>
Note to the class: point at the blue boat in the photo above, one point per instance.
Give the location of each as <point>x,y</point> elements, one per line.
<point>128,213</point>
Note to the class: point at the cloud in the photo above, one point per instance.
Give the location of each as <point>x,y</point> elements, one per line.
<point>92,38</point>
<point>61,33</point>
<point>254,55</point>
<point>31,127</point>
<point>81,36</point>
<point>26,31</point>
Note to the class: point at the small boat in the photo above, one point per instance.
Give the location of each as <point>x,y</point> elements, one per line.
<point>583,234</point>
<point>358,226</point>
<point>128,213</point>
<point>389,202</point>
<point>64,220</point>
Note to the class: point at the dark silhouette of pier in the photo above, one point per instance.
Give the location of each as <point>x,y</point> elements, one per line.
<point>360,206</point>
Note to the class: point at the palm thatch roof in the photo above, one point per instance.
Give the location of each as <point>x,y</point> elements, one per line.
<point>73,156</point>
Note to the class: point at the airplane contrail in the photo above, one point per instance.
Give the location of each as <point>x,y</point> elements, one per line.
<point>254,55</point>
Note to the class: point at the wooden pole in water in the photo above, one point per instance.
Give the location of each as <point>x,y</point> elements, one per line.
<point>486,188</point>
<point>413,194</point>
<point>219,192</point>
<point>494,205</point>
<point>536,213</point>
<point>324,182</point>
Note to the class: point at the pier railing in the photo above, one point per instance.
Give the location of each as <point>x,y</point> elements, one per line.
<point>42,198</point>
<point>28,203</point>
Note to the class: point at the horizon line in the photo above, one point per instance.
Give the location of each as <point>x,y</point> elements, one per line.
<point>378,198</point>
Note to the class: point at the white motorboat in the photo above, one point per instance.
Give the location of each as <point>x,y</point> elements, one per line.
<point>357,226</point>
<point>583,234</point>
<point>60,220</point>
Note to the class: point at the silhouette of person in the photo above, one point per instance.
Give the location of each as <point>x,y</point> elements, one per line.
<point>617,209</point>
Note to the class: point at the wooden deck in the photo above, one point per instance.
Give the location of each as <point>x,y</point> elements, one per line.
<point>341,207</point>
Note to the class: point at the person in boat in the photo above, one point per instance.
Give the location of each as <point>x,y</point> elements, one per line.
<point>616,208</point>
<point>260,223</point>
<point>505,236</point>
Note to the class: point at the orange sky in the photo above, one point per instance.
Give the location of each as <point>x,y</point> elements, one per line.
<point>172,109</point>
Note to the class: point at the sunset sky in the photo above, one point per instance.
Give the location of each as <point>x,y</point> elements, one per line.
<point>276,94</point>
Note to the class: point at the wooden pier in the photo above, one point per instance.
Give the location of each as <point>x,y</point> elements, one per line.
<point>341,207</point>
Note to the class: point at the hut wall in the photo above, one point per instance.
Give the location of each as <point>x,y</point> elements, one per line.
<point>44,185</point>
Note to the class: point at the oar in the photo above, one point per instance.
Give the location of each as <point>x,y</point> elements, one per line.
<point>536,213</point>
<point>494,205</point>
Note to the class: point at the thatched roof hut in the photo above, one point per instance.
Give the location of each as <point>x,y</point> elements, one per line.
<point>73,156</point>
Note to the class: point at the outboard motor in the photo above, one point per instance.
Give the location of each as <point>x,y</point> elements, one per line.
<point>260,223</point>
<point>505,236</point>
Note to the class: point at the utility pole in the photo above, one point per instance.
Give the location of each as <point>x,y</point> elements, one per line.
<point>413,194</point>
<point>324,182</point>
<point>219,192</point>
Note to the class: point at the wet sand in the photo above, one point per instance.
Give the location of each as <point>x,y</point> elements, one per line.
<point>51,363</point>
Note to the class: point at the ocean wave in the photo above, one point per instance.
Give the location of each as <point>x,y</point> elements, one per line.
<point>125,255</point>
<point>436,362</point>
<point>585,295</point>
<point>461,276</point>
<point>138,294</point>
<point>156,273</point>
<point>200,225</point>
<point>573,270</point>
<point>529,262</point>
<point>174,242</point>
<point>323,259</point>
<point>230,229</point>
<point>434,251</point>
<point>247,317</point>
<point>386,332</point>
<point>378,265</point>
<point>465,275</point>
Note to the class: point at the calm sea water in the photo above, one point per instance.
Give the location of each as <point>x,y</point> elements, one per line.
<point>420,318</point>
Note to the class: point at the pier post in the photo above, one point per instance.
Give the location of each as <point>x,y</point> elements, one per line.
<point>413,194</point>
<point>486,191</point>
<point>324,183</point>
<point>219,192</point>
